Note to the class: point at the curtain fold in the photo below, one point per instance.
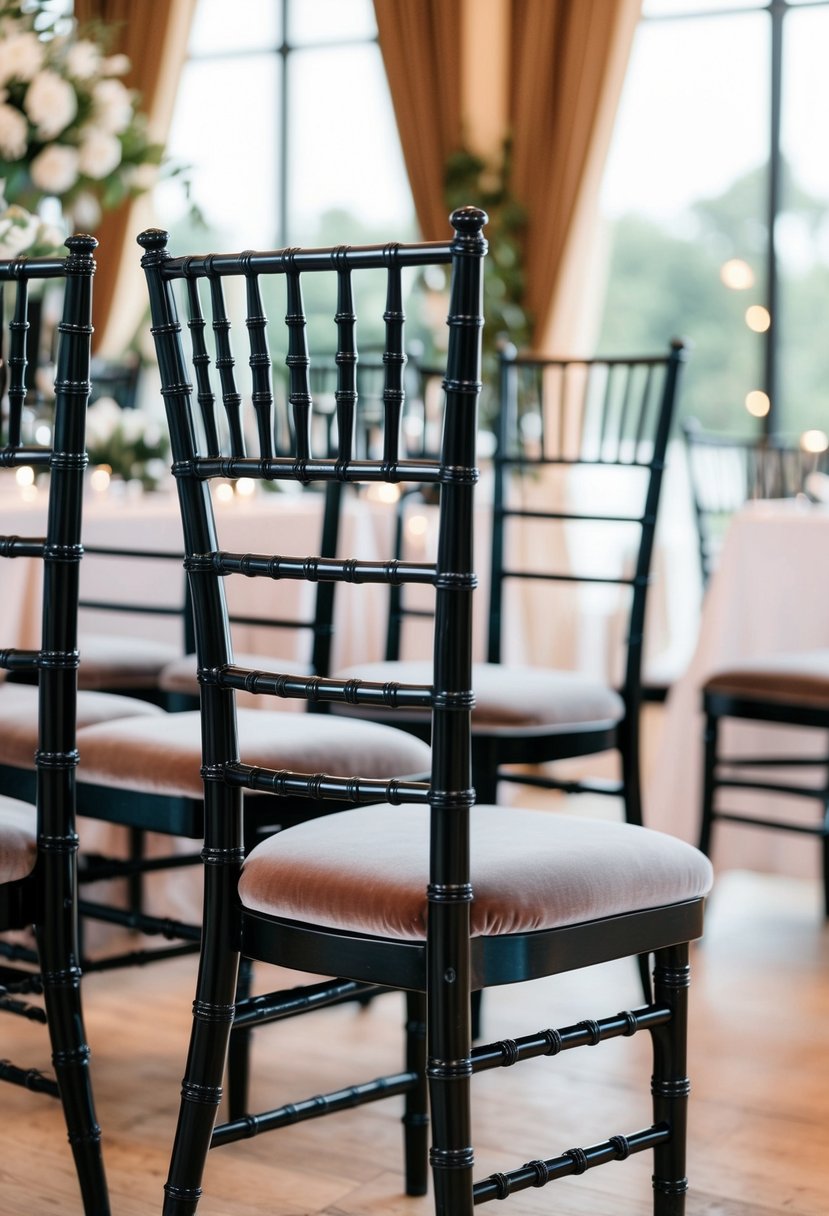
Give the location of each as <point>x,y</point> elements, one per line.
<point>566,62</point>
<point>153,34</point>
<point>420,44</point>
<point>568,66</point>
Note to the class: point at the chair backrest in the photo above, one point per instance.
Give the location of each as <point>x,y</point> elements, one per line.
<point>727,471</point>
<point>206,446</point>
<point>54,663</point>
<point>581,444</point>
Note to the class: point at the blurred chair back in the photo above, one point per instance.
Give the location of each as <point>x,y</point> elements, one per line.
<point>46,896</point>
<point>728,471</point>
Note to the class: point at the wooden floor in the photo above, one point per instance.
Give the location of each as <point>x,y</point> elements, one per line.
<point>759,1067</point>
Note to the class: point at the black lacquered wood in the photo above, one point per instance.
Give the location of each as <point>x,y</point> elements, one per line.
<point>725,770</point>
<point>208,566</point>
<point>49,896</point>
<point>440,971</point>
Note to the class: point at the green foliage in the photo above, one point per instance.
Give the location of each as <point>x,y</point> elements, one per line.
<point>471,179</point>
<point>663,284</point>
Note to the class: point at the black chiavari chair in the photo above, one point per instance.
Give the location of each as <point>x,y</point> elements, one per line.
<point>38,852</point>
<point>390,891</point>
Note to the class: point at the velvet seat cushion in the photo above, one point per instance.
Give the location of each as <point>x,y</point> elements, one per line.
<point>18,839</point>
<point>366,871</point>
<point>122,662</point>
<point>513,699</point>
<point>180,675</point>
<point>163,756</point>
<point>795,679</point>
<point>19,718</point>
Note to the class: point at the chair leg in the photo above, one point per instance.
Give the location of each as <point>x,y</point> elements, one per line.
<point>708,783</point>
<point>670,1085</point>
<point>135,882</point>
<point>485,771</point>
<point>631,777</point>
<point>213,1009</point>
<point>449,1070</point>
<point>70,1056</point>
<point>238,1058</point>
<point>416,1117</point>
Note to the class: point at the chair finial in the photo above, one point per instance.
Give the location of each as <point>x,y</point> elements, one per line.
<point>468,221</point>
<point>154,242</point>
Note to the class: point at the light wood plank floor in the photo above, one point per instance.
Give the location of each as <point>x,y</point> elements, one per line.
<point>759,1067</point>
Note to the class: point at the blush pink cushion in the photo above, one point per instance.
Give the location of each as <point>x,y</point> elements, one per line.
<point>512,699</point>
<point>794,679</point>
<point>18,839</point>
<point>163,756</point>
<point>180,675</point>
<point>19,718</point>
<point>366,870</point>
<point>122,662</point>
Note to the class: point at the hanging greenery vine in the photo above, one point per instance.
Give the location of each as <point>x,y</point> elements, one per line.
<point>470,178</point>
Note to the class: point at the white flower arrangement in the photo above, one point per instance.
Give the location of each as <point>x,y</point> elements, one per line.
<point>129,444</point>
<point>22,232</point>
<point>69,127</point>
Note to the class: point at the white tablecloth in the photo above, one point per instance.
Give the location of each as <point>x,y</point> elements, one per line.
<point>769,594</point>
<point>276,522</point>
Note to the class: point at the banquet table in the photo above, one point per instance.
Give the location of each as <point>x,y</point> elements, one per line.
<point>768,595</point>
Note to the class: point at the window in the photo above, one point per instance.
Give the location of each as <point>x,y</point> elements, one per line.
<point>716,207</point>
<point>284,115</point>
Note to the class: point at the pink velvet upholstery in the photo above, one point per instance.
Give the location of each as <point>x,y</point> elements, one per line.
<point>365,870</point>
<point>180,675</point>
<point>122,662</point>
<point>795,679</point>
<point>513,698</point>
<point>18,839</point>
<point>163,756</point>
<point>19,718</point>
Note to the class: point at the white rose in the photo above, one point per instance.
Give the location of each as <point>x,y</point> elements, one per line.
<point>102,419</point>
<point>141,177</point>
<point>115,65</point>
<point>83,60</point>
<point>21,56</point>
<point>133,425</point>
<point>51,104</point>
<point>55,169</point>
<point>113,106</point>
<point>14,133</point>
<point>18,230</point>
<point>99,154</point>
<point>86,213</point>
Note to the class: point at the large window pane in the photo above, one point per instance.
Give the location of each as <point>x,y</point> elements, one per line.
<point>680,8</point>
<point>255,25</point>
<point>330,21</point>
<point>684,194</point>
<point>344,150</point>
<point>803,229</point>
<point>233,159</point>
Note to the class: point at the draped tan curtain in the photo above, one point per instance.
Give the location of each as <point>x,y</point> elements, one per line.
<point>566,61</point>
<point>420,44</point>
<point>153,33</point>
<point>568,66</point>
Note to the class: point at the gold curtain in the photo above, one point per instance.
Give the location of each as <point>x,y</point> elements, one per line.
<point>566,62</point>
<point>153,33</point>
<point>420,44</point>
<point>568,66</point>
